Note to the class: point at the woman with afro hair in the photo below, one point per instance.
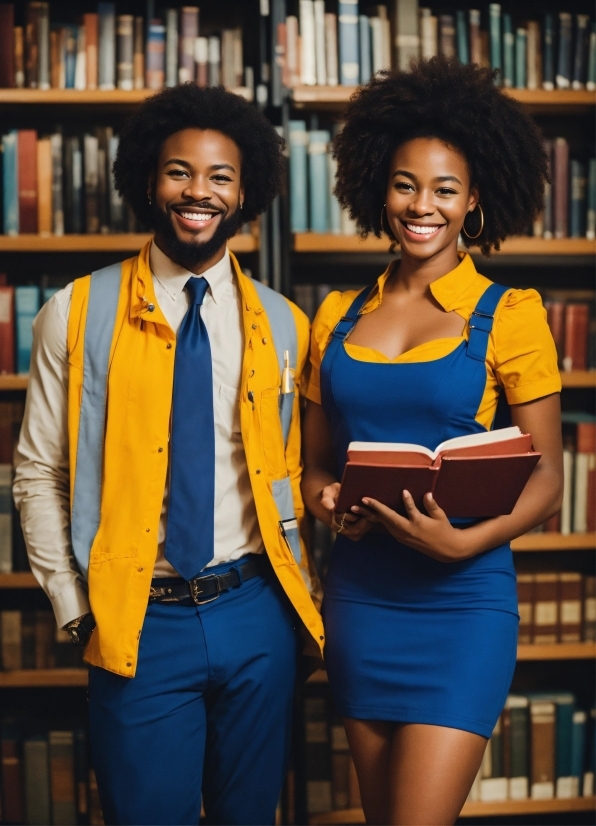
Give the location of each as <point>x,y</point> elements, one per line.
<point>421,612</point>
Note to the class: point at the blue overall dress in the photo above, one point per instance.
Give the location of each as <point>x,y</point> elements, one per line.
<point>411,639</point>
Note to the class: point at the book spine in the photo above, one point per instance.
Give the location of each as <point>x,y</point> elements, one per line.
<point>57,194</point>
<point>589,624</point>
<point>555,316</point>
<point>591,211</point>
<point>277,20</point>
<point>496,746</point>
<point>376,36</point>
<point>525,597</point>
<point>548,217</point>
<point>331,62</point>
<point>214,61</point>
<point>6,565</point>
<point>27,164</point>
<point>189,30</point>
<point>566,506</point>
<point>44,181</point>
<point>494,24</point>
<point>91,164</point>
<point>560,187</point>
<point>298,141</point>
<point>55,57</point>
<point>293,49</point>
<point>334,218</point>
<point>238,55</point>
<point>577,319</point>
<point>546,608</point>
<point>155,62</point>
<point>364,46</point>
<point>591,74</point>
<point>570,609</point>
<point>580,58</point>
<point>461,28</point>
<point>317,171</point>
<point>43,46</point>
<point>577,202</point>
<point>227,58</point>
<point>61,753</point>
<point>508,52</point>
<point>202,60</point>
<point>125,43</point>
<point>521,48</point>
<point>37,781</point>
<point>585,462</point>
<point>102,178</point>
<point>542,715</point>
<point>349,64</point>
<point>70,56</point>
<point>429,45</point>
<point>548,81</point>
<point>10,629</point>
<point>19,57</point>
<point>138,58</point>
<point>565,784</point>
<point>317,756</point>
<point>520,748</point>
<point>7,45</point>
<point>447,35</point>
<point>172,47</point>
<point>563,77</point>
<point>26,308</point>
<point>7,330</point>
<point>534,56</point>
<point>12,796</point>
<point>31,45</point>
<point>10,176</point>
<point>475,41</point>
<point>80,79</point>
<point>90,22</point>
<point>107,46</point>
<point>307,43</point>
<point>319,20</point>
<point>407,38</point>
<point>578,747</point>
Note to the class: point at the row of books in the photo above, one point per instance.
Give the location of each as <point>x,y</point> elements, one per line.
<point>556,607</point>
<point>570,201</point>
<point>31,640</point>
<point>578,510</point>
<point>321,48</point>
<point>542,747</point>
<point>18,308</point>
<point>47,778</point>
<point>103,50</point>
<point>572,325</point>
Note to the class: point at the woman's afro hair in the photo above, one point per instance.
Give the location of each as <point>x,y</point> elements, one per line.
<point>186,107</point>
<point>457,104</point>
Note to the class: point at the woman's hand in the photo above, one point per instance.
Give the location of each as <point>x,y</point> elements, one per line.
<point>431,534</point>
<point>347,524</point>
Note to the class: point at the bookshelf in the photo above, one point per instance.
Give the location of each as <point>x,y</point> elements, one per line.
<point>44,678</point>
<point>96,97</point>
<point>244,242</point>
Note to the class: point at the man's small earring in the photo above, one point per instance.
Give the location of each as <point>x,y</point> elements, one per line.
<point>149,199</point>
<point>241,204</point>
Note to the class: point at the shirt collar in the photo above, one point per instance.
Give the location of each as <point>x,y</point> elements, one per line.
<point>450,290</point>
<point>173,277</point>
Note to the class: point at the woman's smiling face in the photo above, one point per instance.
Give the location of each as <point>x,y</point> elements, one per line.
<point>428,196</point>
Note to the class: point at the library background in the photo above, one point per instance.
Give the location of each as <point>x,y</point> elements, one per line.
<point>69,76</point>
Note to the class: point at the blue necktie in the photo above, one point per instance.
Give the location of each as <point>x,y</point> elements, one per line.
<point>189,538</point>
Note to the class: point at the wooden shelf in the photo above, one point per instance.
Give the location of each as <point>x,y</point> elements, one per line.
<point>18,579</point>
<point>559,101</point>
<point>555,542</point>
<point>44,678</point>
<point>557,651</point>
<point>579,378</point>
<point>75,96</point>
<point>118,242</point>
<point>9,382</point>
<point>322,242</point>
<point>476,809</point>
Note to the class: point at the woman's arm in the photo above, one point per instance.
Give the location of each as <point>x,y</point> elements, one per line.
<point>433,535</point>
<point>319,477</point>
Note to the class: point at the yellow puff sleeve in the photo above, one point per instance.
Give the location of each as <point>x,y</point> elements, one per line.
<point>524,354</point>
<point>326,318</point>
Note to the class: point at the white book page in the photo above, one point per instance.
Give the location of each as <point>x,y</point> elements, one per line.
<point>471,440</point>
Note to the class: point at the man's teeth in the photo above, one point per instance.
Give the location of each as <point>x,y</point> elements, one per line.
<point>196,216</point>
<point>420,230</point>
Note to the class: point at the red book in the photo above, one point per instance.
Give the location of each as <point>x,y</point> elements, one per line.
<point>6,45</point>
<point>586,445</point>
<point>189,31</point>
<point>555,316</point>
<point>27,158</point>
<point>7,332</point>
<point>13,810</point>
<point>546,608</point>
<point>90,22</point>
<point>577,321</point>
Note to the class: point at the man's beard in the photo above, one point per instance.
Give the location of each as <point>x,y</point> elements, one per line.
<point>189,254</point>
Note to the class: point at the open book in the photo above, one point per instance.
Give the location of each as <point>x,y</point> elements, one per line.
<point>476,476</point>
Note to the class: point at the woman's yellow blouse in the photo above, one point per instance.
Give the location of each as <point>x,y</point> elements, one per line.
<point>521,356</point>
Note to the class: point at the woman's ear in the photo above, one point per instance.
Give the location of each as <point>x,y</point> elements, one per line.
<point>474,199</point>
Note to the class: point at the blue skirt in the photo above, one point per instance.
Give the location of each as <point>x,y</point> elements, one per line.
<point>413,640</point>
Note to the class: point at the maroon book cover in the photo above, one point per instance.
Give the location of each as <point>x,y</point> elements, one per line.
<point>27,158</point>
<point>7,331</point>
<point>555,316</point>
<point>577,321</point>
<point>6,45</point>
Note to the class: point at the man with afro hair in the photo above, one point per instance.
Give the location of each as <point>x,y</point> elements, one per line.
<point>158,478</point>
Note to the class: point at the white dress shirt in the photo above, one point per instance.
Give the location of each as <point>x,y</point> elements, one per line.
<point>41,488</point>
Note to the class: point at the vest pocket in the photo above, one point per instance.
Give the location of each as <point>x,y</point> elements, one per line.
<point>284,501</point>
<point>271,433</point>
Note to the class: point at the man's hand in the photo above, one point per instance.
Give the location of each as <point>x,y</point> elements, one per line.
<point>80,629</point>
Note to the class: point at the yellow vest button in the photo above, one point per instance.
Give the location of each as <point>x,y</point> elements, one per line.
<point>169,345</point>
<point>258,470</point>
<point>160,449</point>
<point>264,341</point>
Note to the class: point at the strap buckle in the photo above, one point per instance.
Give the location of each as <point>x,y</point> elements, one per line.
<point>196,591</point>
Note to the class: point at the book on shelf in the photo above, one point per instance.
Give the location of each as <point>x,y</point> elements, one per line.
<point>479,475</point>
<point>31,640</point>
<point>556,607</point>
<point>569,195</point>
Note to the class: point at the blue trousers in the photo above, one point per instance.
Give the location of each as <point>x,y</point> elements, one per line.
<point>208,712</point>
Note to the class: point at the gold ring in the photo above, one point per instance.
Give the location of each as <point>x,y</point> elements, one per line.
<point>342,524</point>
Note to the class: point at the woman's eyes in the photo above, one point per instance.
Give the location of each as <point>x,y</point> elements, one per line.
<point>405,187</point>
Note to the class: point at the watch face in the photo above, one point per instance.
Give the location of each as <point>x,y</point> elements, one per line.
<point>74,635</point>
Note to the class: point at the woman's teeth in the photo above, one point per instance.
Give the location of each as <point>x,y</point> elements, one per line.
<point>422,230</point>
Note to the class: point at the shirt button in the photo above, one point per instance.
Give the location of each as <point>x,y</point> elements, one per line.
<point>140,570</point>
<point>264,341</point>
<point>151,307</point>
<point>169,345</point>
<point>251,374</point>
<point>258,470</point>
<point>160,449</point>
<point>147,530</point>
<point>254,326</point>
<point>128,665</point>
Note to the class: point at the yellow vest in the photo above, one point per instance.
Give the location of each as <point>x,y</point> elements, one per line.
<point>139,401</point>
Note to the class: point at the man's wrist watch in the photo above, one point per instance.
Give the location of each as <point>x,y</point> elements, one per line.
<point>80,629</point>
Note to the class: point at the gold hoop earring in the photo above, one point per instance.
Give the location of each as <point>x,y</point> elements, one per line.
<point>479,233</point>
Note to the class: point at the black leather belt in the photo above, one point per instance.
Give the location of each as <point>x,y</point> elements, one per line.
<point>203,589</point>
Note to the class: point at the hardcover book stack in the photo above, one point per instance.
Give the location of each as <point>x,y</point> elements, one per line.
<point>556,607</point>
<point>47,777</point>
<point>571,320</point>
<point>105,50</point>
<point>319,47</point>
<point>19,305</point>
<point>541,748</point>
<point>31,640</point>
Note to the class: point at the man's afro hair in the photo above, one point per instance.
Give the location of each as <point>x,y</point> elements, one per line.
<point>186,107</point>
<point>460,105</point>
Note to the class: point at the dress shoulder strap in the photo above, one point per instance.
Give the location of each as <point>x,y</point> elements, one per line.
<point>482,319</point>
<point>346,323</point>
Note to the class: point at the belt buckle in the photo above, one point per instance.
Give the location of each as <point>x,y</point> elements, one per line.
<point>195,591</point>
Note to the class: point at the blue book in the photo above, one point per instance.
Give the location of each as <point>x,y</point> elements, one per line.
<point>334,218</point>
<point>548,53</point>
<point>26,308</point>
<point>578,746</point>
<point>10,175</point>
<point>508,52</point>
<point>298,140</point>
<point>106,62</point>
<point>461,34</point>
<point>365,47</point>
<point>577,201</point>
<point>563,78</point>
<point>591,80</point>
<point>582,45</point>
<point>521,49</point>
<point>70,55</point>
<point>318,144</point>
<point>494,24</point>
<point>348,25</point>
<point>48,292</point>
